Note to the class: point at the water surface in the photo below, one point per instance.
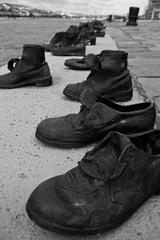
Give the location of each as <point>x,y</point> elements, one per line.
<point>14,33</point>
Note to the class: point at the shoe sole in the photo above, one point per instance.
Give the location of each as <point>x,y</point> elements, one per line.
<point>60,144</point>
<point>77,68</point>
<point>123,97</point>
<point>68,54</point>
<point>81,66</point>
<point>54,227</point>
<point>41,82</point>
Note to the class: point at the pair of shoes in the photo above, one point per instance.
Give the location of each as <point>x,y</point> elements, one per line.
<point>31,69</point>
<point>109,184</point>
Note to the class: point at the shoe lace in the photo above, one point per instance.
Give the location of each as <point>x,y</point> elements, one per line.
<point>118,170</point>
<point>12,64</point>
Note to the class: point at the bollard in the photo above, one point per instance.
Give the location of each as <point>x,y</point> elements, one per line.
<point>110,18</point>
<point>133,16</point>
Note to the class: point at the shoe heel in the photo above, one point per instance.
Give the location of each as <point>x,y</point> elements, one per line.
<point>124,97</point>
<point>44,82</point>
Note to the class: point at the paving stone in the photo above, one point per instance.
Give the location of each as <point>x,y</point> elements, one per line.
<point>145,71</point>
<point>151,86</point>
<point>145,54</point>
<point>130,45</point>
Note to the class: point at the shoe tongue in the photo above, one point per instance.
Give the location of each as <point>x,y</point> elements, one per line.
<point>88,98</point>
<point>105,159</point>
<point>91,61</point>
<point>119,142</point>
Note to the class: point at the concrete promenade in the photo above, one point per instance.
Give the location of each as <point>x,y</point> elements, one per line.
<point>25,162</point>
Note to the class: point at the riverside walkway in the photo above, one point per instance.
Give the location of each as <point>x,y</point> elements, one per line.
<point>25,162</point>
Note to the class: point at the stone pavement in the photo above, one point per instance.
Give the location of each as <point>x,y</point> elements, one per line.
<point>25,162</point>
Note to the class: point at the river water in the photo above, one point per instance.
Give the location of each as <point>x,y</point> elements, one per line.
<point>14,33</point>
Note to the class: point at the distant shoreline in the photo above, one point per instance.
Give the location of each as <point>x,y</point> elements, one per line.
<point>25,17</point>
<point>36,18</point>
<point>31,18</point>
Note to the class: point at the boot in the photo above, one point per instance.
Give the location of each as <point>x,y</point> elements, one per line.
<point>109,184</point>
<point>96,118</point>
<point>31,69</point>
<point>133,16</point>
<point>109,77</point>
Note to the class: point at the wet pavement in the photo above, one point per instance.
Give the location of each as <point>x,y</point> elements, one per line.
<point>25,162</point>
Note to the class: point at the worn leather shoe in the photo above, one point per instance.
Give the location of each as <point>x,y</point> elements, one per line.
<point>109,77</point>
<point>31,69</point>
<point>96,118</point>
<point>109,184</point>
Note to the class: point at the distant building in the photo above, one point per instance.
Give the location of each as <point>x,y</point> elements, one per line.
<point>153,10</point>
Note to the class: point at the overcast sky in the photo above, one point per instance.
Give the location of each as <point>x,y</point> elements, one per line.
<point>85,6</point>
